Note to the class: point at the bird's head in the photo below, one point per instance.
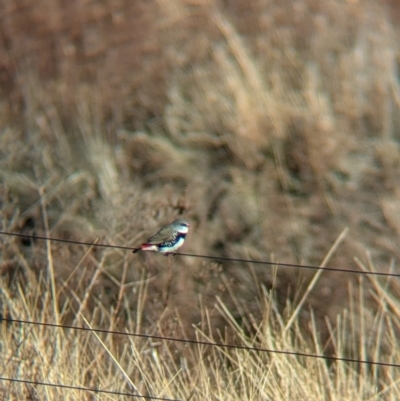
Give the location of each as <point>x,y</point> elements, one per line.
<point>180,225</point>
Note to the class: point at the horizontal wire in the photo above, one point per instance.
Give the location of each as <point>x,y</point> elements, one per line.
<point>222,258</point>
<point>206,343</point>
<point>68,241</point>
<point>91,389</point>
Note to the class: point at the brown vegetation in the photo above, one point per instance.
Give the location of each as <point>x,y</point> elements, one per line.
<point>272,126</point>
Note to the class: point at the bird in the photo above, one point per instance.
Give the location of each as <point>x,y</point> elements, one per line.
<point>168,239</point>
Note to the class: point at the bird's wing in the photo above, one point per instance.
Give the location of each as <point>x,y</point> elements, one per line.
<point>163,235</point>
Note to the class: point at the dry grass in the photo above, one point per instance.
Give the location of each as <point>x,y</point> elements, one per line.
<point>271,126</point>
<point>163,369</point>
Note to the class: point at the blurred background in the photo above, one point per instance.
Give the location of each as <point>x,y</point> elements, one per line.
<point>271,126</point>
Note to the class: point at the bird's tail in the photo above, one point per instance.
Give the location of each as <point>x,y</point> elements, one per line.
<point>146,247</point>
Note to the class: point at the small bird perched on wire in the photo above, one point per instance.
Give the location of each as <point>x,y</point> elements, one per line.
<point>168,239</point>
